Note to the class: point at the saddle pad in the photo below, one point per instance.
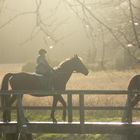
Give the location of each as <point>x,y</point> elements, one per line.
<point>45,81</point>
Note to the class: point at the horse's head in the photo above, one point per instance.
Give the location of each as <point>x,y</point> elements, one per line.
<point>79,66</point>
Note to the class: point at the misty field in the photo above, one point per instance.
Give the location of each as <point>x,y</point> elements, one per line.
<point>99,80</point>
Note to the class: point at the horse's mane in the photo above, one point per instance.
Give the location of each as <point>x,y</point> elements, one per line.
<point>61,64</point>
<point>66,61</point>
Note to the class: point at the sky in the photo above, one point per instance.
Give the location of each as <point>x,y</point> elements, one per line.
<point>16,44</point>
<point>28,25</point>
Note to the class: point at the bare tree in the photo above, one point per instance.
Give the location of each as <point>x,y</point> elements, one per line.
<point>120,32</point>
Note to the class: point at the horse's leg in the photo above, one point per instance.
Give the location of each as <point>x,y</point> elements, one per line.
<point>6,108</point>
<point>9,100</point>
<point>135,100</point>
<point>3,106</point>
<point>128,111</point>
<point>125,113</point>
<point>62,101</point>
<point>55,100</point>
<point>20,108</point>
<point>22,120</point>
<point>5,116</point>
<point>13,98</point>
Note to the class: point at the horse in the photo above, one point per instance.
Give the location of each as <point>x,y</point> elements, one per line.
<point>27,81</point>
<point>132,99</point>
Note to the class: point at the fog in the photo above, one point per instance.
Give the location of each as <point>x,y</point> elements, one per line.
<point>64,29</point>
<point>16,44</point>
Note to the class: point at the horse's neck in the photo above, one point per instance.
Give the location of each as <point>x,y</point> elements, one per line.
<point>65,74</point>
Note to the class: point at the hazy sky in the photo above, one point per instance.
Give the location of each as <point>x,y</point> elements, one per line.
<point>60,21</point>
<point>27,25</point>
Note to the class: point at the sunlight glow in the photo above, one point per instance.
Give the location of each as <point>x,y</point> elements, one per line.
<point>136,23</point>
<point>51,47</point>
<point>130,45</point>
<point>87,26</point>
<point>117,8</point>
<point>89,7</point>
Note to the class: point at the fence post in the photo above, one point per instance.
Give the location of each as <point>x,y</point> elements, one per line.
<point>128,115</point>
<point>82,113</point>
<point>129,108</point>
<point>21,119</point>
<point>70,115</point>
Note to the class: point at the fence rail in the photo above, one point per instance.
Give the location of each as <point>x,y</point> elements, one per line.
<point>73,92</point>
<point>70,126</point>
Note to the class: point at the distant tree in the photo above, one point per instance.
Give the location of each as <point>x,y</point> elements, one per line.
<point>118,22</point>
<point>44,24</point>
<point>109,25</point>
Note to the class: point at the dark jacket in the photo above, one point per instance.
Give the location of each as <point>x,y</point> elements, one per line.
<point>43,66</point>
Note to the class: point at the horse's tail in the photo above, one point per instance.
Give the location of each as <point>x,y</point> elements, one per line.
<point>5,81</point>
<point>5,99</point>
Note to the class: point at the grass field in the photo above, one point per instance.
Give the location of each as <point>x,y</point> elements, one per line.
<point>110,79</point>
<point>103,80</point>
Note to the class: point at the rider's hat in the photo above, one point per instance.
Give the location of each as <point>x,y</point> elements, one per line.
<point>41,51</point>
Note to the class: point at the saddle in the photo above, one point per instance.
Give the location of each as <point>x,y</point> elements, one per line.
<point>46,81</point>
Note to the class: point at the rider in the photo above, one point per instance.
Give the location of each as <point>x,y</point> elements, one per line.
<point>43,66</point>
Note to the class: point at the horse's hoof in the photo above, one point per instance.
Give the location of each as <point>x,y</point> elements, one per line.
<point>64,119</point>
<point>6,121</point>
<point>126,120</point>
<point>26,120</point>
<point>54,120</point>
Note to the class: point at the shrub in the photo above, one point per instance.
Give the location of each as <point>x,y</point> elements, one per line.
<point>29,67</point>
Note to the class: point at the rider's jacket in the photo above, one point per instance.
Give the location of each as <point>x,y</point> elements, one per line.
<point>43,66</point>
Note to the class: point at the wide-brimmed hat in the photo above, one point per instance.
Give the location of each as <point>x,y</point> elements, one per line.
<point>42,51</point>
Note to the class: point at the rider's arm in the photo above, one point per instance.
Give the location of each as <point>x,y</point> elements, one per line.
<point>42,60</point>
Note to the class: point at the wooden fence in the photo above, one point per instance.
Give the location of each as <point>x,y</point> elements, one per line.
<point>80,127</point>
